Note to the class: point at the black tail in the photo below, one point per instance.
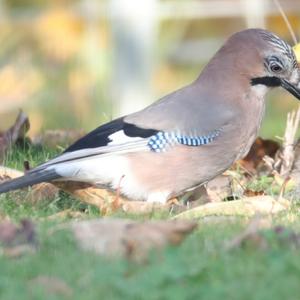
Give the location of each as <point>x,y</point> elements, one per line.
<point>28,179</point>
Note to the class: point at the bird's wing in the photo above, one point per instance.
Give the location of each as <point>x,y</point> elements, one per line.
<point>189,111</point>
<point>177,118</point>
<point>116,136</point>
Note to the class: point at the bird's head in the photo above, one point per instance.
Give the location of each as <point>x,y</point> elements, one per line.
<point>271,63</point>
<point>254,57</point>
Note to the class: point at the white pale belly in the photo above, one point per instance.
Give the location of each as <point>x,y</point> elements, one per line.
<point>113,171</point>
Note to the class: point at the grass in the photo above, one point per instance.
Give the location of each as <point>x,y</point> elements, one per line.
<point>200,268</point>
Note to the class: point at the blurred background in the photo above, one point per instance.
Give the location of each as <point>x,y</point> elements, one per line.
<point>79,63</point>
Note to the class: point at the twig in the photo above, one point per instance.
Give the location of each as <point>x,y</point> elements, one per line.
<point>288,154</point>
<point>286,20</point>
<point>283,187</point>
<point>117,202</point>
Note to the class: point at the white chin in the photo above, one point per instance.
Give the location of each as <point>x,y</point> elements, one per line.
<point>260,90</point>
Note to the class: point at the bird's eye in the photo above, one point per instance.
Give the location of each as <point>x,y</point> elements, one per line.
<point>276,68</point>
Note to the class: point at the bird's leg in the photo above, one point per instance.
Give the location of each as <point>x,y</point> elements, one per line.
<point>108,201</point>
<point>175,206</point>
<point>117,201</point>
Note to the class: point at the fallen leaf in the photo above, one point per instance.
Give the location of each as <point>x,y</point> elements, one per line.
<point>17,131</point>
<point>287,236</point>
<point>8,173</point>
<point>252,193</point>
<point>107,201</point>
<point>127,238</point>
<point>51,285</point>
<point>259,149</point>
<point>17,240</point>
<point>38,192</point>
<point>260,234</point>
<point>247,206</point>
<point>41,192</point>
<point>250,234</point>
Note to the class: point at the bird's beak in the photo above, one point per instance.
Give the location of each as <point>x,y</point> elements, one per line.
<point>293,89</point>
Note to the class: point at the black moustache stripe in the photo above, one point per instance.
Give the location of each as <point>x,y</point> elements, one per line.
<point>269,81</point>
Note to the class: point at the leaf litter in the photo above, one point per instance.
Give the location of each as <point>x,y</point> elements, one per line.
<point>245,207</point>
<point>129,239</point>
<point>132,239</point>
<point>261,234</point>
<point>17,240</point>
<point>15,133</point>
<point>230,186</point>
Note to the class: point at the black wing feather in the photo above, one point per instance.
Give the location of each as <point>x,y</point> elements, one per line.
<point>99,137</point>
<point>31,178</point>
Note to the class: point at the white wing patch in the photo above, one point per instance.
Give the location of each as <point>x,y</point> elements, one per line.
<point>120,137</point>
<point>132,145</point>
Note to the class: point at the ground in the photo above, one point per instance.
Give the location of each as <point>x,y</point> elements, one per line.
<point>201,268</point>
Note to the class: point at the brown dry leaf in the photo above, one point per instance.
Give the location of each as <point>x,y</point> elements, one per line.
<point>127,238</point>
<point>250,234</point>
<point>42,191</point>
<point>52,138</point>
<point>39,192</point>
<point>257,235</point>
<point>8,173</point>
<point>259,149</point>
<point>107,201</point>
<point>17,131</point>
<point>252,193</point>
<point>17,240</point>
<point>247,206</point>
<point>51,285</point>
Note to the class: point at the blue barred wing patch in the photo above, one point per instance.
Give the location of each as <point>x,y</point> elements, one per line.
<point>162,140</point>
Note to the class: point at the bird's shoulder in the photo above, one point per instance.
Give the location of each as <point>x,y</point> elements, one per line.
<point>117,131</point>
<point>189,115</point>
<point>192,109</point>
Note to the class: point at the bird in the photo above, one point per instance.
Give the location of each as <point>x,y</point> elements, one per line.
<point>187,137</point>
